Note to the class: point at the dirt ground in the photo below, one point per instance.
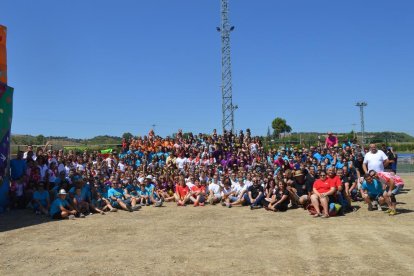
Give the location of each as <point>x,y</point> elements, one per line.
<point>211,240</point>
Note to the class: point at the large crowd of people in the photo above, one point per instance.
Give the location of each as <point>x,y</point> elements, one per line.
<point>229,170</point>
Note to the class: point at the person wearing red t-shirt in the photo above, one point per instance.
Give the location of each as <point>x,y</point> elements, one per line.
<point>322,190</point>
<point>198,192</point>
<point>333,179</point>
<point>182,193</point>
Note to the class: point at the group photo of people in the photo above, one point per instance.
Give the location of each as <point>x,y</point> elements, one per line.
<point>227,170</point>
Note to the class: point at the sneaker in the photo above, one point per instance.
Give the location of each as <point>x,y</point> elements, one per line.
<point>201,203</point>
<point>388,211</point>
<point>136,207</point>
<point>130,208</point>
<point>374,204</point>
<point>71,217</point>
<point>196,204</point>
<point>228,205</point>
<point>158,203</point>
<point>113,210</point>
<point>211,200</point>
<point>393,213</point>
<point>82,215</point>
<point>379,207</point>
<point>224,204</point>
<point>370,207</point>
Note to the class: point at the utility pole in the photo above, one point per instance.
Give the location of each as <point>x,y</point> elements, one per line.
<point>353,130</point>
<point>226,80</point>
<point>361,106</point>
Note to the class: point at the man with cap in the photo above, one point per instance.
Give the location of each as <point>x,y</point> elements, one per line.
<point>60,208</point>
<point>300,189</point>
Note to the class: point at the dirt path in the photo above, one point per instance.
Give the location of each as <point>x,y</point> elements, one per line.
<point>211,240</point>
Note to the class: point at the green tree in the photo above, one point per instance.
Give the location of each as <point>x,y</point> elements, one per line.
<point>127,135</point>
<point>279,126</point>
<point>40,139</point>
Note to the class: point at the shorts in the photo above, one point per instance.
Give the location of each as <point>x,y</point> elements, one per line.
<point>115,204</point>
<point>57,215</point>
<point>374,197</point>
<point>246,200</point>
<point>233,198</point>
<point>281,207</point>
<point>217,196</point>
<point>397,189</point>
<point>36,206</point>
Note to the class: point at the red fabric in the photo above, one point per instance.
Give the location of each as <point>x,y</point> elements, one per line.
<point>322,186</point>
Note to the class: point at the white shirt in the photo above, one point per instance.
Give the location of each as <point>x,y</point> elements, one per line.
<point>180,162</point>
<point>238,189</point>
<point>215,188</point>
<point>248,183</point>
<point>121,167</point>
<point>375,161</point>
<point>189,184</point>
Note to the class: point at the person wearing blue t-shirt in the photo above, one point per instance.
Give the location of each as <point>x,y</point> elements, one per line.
<point>372,192</point>
<point>60,208</point>
<point>150,191</point>
<point>18,166</point>
<point>118,200</point>
<point>41,200</point>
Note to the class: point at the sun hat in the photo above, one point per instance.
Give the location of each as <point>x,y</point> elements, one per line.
<point>298,173</point>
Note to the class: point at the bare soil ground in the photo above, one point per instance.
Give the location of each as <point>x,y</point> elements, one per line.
<point>211,240</point>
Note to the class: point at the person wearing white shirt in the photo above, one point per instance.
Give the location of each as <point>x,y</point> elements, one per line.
<point>214,192</point>
<point>180,161</point>
<point>375,160</point>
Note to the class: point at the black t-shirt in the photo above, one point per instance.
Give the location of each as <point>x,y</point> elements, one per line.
<point>391,157</point>
<point>358,166</point>
<point>280,194</point>
<point>255,190</point>
<point>305,187</point>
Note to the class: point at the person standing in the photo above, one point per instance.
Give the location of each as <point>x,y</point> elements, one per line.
<point>375,160</point>
<point>331,140</point>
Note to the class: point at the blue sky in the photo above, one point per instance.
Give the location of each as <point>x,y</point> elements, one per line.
<point>85,68</point>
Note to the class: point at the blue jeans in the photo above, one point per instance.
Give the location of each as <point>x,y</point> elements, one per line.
<point>257,201</point>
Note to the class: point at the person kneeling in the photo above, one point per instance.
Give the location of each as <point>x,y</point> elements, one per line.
<point>60,208</point>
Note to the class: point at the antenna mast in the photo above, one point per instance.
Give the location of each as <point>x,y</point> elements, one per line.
<point>226,80</point>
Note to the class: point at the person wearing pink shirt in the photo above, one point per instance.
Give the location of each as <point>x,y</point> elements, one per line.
<point>331,140</point>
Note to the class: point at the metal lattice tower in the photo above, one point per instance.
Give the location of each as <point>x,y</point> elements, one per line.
<point>361,106</point>
<point>226,82</point>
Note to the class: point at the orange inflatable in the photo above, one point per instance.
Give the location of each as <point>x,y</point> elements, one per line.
<point>3,54</point>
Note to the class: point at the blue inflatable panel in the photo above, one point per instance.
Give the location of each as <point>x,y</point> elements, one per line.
<point>4,194</point>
